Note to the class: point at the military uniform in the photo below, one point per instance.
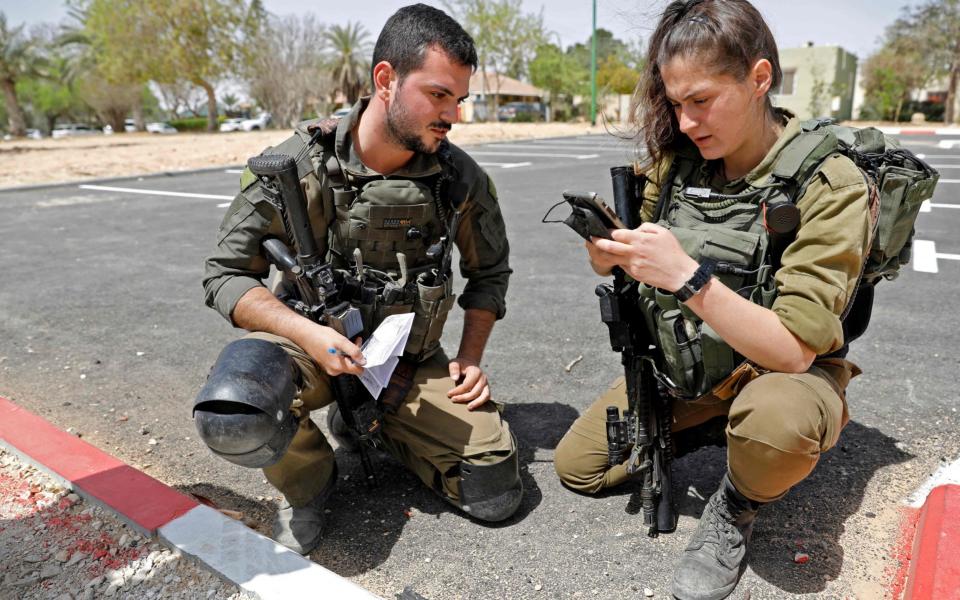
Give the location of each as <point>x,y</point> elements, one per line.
<point>777,424</point>
<point>429,433</point>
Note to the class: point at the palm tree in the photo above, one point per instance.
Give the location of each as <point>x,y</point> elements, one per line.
<point>18,58</point>
<point>349,58</point>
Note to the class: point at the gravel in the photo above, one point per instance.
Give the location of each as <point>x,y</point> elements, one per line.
<point>54,545</point>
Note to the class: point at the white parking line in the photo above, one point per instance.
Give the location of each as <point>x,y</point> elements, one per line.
<point>925,256</point>
<point>948,144</point>
<point>505,165</point>
<point>104,188</point>
<point>537,154</point>
<point>939,156</point>
<point>233,171</point>
<point>946,474</point>
<point>947,167</point>
<point>928,206</point>
<point>610,148</point>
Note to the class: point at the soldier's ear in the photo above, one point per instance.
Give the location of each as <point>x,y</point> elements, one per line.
<point>761,75</point>
<point>383,76</point>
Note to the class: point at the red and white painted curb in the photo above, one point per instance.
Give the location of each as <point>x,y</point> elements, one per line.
<point>931,539</point>
<point>254,563</point>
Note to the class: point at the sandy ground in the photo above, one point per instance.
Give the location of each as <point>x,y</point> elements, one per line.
<point>30,162</point>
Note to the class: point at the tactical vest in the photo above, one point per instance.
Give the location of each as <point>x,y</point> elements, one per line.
<point>732,231</point>
<point>397,231</point>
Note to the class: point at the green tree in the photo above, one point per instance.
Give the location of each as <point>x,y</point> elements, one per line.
<point>52,96</point>
<point>614,76</point>
<point>506,38</point>
<point>888,79</point>
<point>19,58</point>
<point>928,34</point>
<point>202,41</point>
<point>349,58</point>
<point>561,75</point>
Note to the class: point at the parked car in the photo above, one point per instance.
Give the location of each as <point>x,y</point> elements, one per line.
<point>259,122</point>
<point>33,134</point>
<point>520,111</point>
<point>341,112</point>
<point>231,125</point>
<point>159,127</point>
<point>128,125</point>
<point>71,130</point>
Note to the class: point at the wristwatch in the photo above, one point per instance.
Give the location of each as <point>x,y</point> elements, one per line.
<point>699,279</point>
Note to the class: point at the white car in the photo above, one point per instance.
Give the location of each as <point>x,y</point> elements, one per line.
<point>128,125</point>
<point>260,122</point>
<point>159,127</point>
<point>231,125</point>
<point>71,130</point>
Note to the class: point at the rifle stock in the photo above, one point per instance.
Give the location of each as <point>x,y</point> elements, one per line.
<point>646,425</point>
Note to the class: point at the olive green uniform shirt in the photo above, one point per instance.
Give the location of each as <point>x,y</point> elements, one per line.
<point>237,265</point>
<point>820,268</point>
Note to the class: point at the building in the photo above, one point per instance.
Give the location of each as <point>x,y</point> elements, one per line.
<point>818,81</point>
<point>505,89</point>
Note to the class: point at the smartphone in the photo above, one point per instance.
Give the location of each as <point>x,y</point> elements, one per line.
<point>590,216</point>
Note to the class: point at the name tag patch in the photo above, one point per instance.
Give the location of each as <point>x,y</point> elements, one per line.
<point>396,223</point>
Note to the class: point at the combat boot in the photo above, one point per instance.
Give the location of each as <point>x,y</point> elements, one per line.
<point>711,564</point>
<point>346,437</point>
<point>301,527</point>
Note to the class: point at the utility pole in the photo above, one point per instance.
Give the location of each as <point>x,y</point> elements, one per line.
<point>593,68</point>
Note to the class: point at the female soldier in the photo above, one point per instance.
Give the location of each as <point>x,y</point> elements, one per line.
<point>759,345</point>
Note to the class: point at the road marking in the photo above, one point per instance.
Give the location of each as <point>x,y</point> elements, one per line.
<point>505,165</point>
<point>538,154</point>
<point>948,144</point>
<point>104,188</point>
<point>939,156</point>
<point>945,475</point>
<point>949,181</point>
<point>233,171</point>
<point>928,206</point>
<point>557,147</point>
<point>948,167</point>
<point>72,201</point>
<point>925,256</point>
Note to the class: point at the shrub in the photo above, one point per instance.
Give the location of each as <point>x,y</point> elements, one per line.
<point>194,123</point>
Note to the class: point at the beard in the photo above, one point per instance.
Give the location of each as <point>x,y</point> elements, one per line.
<point>403,129</point>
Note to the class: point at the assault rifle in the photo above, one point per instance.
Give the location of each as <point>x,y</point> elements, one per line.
<point>322,292</point>
<point>646,424</point>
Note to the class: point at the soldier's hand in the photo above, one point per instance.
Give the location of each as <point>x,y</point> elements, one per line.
<point>472,386</point>
<point>651,254</point>
<point>601,262</point>
<point>334,353</point>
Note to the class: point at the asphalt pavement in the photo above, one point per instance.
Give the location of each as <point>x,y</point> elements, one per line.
<point>103,332</point>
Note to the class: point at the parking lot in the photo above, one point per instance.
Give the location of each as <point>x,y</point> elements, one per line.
<point>104,332</point>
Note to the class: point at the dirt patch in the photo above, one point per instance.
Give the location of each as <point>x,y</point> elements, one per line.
<point>30,162</point>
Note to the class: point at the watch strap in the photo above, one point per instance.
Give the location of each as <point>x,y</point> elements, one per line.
<point>696,282</point>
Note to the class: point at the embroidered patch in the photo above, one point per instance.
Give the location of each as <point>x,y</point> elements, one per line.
<point>396,223</point>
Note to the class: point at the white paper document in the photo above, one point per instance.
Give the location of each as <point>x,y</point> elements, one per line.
<point>383,351</point>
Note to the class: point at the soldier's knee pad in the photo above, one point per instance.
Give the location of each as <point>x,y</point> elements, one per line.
<point>243,411</point>
<point>491,492</point>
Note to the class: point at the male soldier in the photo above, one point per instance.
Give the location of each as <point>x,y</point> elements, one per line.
<point>383,180</point>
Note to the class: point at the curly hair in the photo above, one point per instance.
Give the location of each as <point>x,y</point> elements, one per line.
<point>730,35</point>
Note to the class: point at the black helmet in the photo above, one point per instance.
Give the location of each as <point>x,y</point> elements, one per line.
<point>243,411</point>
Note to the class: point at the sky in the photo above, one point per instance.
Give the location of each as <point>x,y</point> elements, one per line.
<point>855,25</point>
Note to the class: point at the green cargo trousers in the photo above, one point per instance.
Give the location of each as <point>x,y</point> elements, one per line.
<point>778,424</point>
<point>429,433</point>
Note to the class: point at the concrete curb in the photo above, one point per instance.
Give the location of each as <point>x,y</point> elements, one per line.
<point>934,572</point>
<point>254,563</point>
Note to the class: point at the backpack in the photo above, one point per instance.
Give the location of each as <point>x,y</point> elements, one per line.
<point>898,183</point>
